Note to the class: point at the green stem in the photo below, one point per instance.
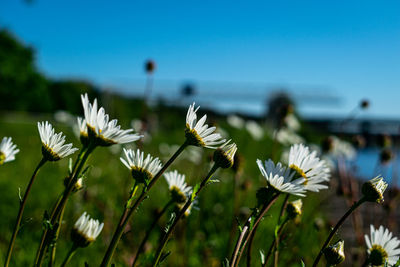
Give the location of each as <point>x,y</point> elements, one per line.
<point>53,248</point>
<point>167,235</point>
<point>339,223</point>
<point>21,211</point>
<point>70,254</point>
<point>129,211</point>
<point>261,214</point>
<point>148,232</point>
<point>275,242</point>
<point>44,233</point>
<point>67,192</point>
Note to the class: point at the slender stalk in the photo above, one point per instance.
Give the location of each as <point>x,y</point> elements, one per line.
<point>44,233</point>
<point>148,232</point>
<point>22,205</point>
<point>129,210</point>
<point>70,254</point>
<point>67,192</point>
<point>275,242</point>
<point>264,210</point>
<point>339,223</point>
<point>239,242</point>
<point>167,235</point>
<point>53,248</point>
<point>248,257</point>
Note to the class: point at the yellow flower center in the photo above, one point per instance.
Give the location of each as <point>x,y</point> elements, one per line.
<point>177,195</point>
<point>2,158</point>
<point>49,153</point>
<point>192,137</point>
<point>299,172</point>
<point>141,175</point>
<point>378,255</point>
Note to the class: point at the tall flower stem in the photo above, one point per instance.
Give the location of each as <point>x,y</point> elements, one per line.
<point>167,235</point>
<point>22,205</point>
<point>70,254</point>
<point>337,226</point>
<point>275,242</point>
<point>45,232</point>
<point>53,247</point>
<point>129,210</point>
<point>61,205</point>
<point>257,220</point>
<point>148,232</point>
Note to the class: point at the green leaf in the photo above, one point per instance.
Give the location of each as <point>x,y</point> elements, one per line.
<point>213,181</point>
<point>164,257</point>
<point>225,262</point>
<point>86,171</point>
<point>262,256</point>
<point>170,222</point>
<point>302,264</point>
<point>70,166</point>
<point>195,190</point>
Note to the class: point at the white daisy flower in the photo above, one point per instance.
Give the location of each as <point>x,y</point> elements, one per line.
<point>224,155</point>
<point>280,178</point>
<point>255,130</point>
<point>309,166</point>
<point>142,169</point>
<point>382,247</point>
<point>235,121</point>
<point>105,132</point>
<point>7,150</point>
<point>86,230</point>
<point>177,186</point>
<point>53,147</point>
<point>199,134</point>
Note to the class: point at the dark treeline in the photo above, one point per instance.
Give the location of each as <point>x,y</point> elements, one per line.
<point>24,88</point>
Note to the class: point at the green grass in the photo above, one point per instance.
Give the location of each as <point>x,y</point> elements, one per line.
<point>200,240</point>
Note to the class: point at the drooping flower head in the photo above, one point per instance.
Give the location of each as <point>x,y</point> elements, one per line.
<point>373,189</point>
<point>199,134</point>
<point>103,131</point>
<point>306,164</point>
<point>224,155</point>
<point>177,186</point>
<point>7,150</point>
<point>334,254</point>
<point>281,178</point>
<point>142,169</point>
<point>53,147</point>
<point>382,247</point>
<point>85,230</point>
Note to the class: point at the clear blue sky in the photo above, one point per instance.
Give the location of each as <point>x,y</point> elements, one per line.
<point>350,47</point>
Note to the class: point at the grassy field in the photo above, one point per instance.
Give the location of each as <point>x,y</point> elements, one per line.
<point>205,238</point>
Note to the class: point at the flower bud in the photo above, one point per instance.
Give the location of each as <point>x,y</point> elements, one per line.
<point>224,155</point>
<point>334,254</point>
<point>373,190</point>
<point>294,208</point>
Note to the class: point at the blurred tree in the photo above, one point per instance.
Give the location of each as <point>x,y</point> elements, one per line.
<point>22,87</point>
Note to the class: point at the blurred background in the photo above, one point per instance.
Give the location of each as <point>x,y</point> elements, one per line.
<point>269,74</point>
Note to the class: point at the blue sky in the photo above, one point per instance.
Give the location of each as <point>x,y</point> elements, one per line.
<point>349,48</point>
